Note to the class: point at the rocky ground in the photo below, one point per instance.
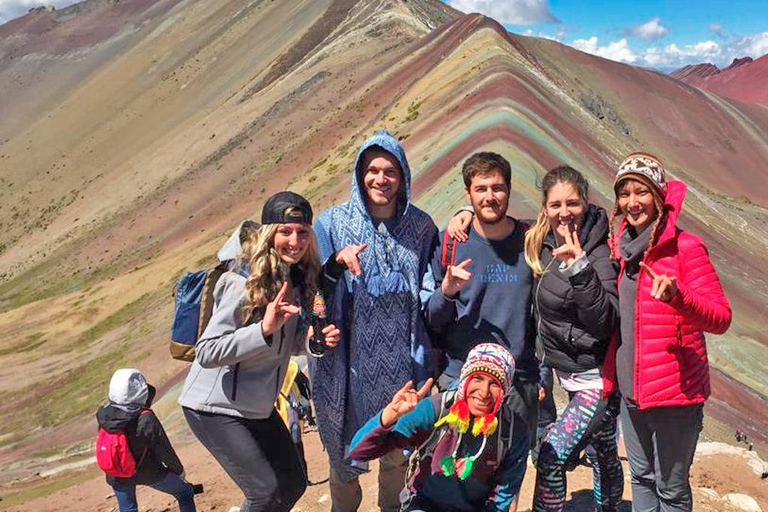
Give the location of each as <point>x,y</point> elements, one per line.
<point>724,478</point>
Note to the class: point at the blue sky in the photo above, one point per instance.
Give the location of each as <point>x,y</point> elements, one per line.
<point>653,33</point>
<point>10,9</point>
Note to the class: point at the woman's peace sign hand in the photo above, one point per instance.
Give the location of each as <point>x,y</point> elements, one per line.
<point>403,402</point>
<point>571,250</point>
<point>277,312</point>
<point>664,287</point>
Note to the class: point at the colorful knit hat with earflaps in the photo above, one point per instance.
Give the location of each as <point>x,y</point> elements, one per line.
<point>496,361</point>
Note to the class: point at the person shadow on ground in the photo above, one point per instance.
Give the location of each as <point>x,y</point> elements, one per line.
<point>583,501</point>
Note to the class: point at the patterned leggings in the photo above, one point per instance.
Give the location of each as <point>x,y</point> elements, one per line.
<point>588,420</point>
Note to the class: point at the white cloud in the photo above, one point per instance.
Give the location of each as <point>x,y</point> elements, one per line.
<point>530,33</point>
<point>549,36</point>
<point>673,55</point>
<point>515,12</point>
<point>616,50</point>
<point>10,9</point>
<point>715,27</point>
<point>721,54</point>
<point>586,45</point>
<point>702,50</point>
<point>753,46</point>
<point>650,30</point>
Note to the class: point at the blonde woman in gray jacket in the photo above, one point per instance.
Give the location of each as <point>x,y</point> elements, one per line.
<point>241,358</point>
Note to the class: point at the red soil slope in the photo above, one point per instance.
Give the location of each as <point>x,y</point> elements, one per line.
<point>745,79</point>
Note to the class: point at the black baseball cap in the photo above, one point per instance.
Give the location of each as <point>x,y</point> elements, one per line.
<point>286,208</point>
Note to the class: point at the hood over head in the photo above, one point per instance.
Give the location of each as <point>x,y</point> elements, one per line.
<point>386,142</point>
<point>673,203</point>
<point>232,247</point>
<point>594,232</point>
<point>128,387</point>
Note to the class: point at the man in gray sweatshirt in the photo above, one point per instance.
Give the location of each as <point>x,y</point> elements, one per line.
<point>484,287</point>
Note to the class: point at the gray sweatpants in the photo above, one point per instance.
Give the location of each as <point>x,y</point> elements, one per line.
<point>660,443</point>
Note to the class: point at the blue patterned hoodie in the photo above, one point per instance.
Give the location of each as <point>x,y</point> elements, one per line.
<point>384,341</point>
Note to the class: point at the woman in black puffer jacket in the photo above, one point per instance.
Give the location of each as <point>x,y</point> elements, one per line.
<point>576,308</point>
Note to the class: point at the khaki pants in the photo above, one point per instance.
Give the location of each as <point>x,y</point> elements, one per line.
<point>346,497</point>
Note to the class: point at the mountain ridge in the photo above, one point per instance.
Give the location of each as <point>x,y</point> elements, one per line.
<point>743,79</point>
<point>136,166</point>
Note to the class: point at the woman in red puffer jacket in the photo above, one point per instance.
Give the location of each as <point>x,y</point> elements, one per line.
<point>669,294</point>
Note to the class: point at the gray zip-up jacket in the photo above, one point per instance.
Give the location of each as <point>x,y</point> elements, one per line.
<point>237,370</point>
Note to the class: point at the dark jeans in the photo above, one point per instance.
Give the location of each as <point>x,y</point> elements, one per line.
<point>422,504</point>
<point>258,455</point>
<point>173,484</point>
<point>547,407</point>
<point>661,442</point>
<point>525,402</point>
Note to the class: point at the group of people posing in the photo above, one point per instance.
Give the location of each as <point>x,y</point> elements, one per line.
<point>437,341</point>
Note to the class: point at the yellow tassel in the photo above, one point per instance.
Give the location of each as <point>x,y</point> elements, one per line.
<point>457,418</point>
<point>484,426</point>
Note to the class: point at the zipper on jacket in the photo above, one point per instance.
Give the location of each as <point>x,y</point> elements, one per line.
<point>277,384</point>
<point>538,312</point>
<point>234,381</point>
<point>636,384</point>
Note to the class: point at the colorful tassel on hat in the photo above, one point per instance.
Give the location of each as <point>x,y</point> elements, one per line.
<point>485,425</point>
<point>447,465</point>
<point>457,418</point>
<point>464,467</point>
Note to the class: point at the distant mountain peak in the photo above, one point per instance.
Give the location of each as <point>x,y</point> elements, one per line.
<point>695,71</point>
<point>742,80</point>
<point>739,61</point>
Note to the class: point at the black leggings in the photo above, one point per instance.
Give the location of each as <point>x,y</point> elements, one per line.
<point>258,455</point>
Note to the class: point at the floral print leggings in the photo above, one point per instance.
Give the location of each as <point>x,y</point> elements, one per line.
<point>587,420</point>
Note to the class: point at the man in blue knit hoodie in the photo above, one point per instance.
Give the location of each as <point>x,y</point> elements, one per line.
<point>382,245</point>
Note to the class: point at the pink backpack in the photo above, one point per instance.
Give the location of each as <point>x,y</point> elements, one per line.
<point>113,454</point>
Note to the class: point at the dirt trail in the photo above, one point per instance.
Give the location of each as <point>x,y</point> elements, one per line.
<point>717,471</point>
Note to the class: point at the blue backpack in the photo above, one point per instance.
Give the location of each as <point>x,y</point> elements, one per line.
<point>193,295</point>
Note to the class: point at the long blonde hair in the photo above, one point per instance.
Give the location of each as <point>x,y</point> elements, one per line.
<point>534,238</point>
<point>268,272</point>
